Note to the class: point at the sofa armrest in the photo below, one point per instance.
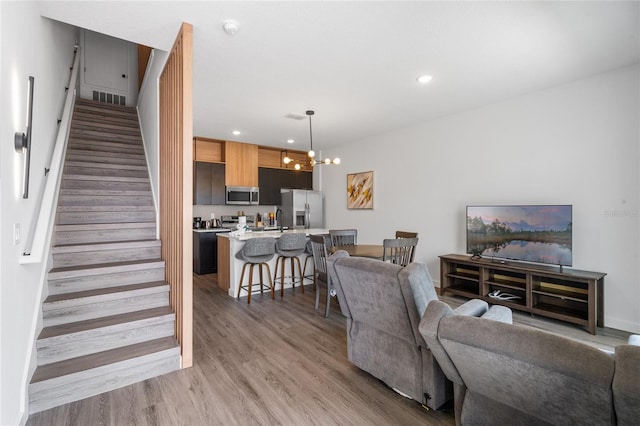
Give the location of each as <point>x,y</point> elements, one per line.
<point>472,308</point>
<point>634,340</point>
<point>499,313</point>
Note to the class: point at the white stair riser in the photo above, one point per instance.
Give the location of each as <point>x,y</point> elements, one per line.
<point>105,256</point>
<point>102,342</point>
<point>104,309</point>
<point>71,285</point>
<point>106,380</point>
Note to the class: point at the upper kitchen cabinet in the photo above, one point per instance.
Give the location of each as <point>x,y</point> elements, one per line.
<point>208,150</point>
<point>241,164</point>
<point>273,158</point>
<point>208,183</point>
<point>273,180</point>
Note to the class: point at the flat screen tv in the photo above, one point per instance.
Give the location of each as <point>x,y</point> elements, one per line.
<point>530,233</point>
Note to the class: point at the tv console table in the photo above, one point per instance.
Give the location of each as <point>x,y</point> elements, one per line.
<point>569,295</point>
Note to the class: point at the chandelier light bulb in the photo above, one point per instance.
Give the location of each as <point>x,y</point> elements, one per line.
<point>286,160</point>
<point>336,161</point>
<point>312,154</point>
<point>297,166</point>
<point>327,161</point>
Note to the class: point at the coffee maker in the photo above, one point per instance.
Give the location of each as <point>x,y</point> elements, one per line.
<point>197,221</point>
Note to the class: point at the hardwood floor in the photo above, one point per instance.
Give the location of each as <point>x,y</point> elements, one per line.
<point>274,362</point>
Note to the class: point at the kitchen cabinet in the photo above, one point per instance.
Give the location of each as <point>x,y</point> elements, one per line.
<point>205,251</point>
<point>242,164</point>
<point>208,183</point>
<point>208,150</point>
<point>219,163</point>
<point>272,180</point>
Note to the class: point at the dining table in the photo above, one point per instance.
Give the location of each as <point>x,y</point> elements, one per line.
<point>373,251</point>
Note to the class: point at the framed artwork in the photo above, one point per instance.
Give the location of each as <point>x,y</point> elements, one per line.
<point>360,190</point>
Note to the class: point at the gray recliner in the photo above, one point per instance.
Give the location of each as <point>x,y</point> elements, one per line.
<point>510,374</point>
<point>383,304</point>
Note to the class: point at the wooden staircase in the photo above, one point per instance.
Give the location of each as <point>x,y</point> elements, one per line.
<point>106,321</point>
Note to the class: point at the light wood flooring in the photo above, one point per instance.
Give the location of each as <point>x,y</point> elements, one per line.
<point>274,362</point>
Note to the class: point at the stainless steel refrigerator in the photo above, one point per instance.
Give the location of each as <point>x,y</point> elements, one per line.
<point>302,209</point>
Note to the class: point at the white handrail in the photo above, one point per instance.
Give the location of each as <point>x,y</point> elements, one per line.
<point>39,230</point>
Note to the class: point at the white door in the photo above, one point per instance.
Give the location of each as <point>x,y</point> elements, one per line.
<point>109,68</point>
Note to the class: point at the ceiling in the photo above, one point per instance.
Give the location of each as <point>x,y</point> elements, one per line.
<point>356,63</point>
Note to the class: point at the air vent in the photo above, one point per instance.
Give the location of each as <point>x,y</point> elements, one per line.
<point>295,116</point>
<point>109,98</point>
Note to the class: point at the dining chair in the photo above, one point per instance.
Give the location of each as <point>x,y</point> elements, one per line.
<point>343,237</point>
<point>320,276</point>
<point>406,234</point>
<point>399,250</point>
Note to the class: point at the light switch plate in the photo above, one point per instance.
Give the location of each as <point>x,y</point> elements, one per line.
<point>16,234</point>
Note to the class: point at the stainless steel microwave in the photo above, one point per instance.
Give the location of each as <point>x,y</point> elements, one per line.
<point>242,195</point>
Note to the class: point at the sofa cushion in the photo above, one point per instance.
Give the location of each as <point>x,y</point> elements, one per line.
<point>429,331</point>
<point>416,276</point>
<point>626,384</point>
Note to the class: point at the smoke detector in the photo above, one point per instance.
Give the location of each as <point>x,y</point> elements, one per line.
<point>230,27</point>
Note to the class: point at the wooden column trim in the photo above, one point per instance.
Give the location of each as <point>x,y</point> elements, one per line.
<point>176,184</point>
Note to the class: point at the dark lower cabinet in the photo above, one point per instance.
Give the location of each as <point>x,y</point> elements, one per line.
<point>208,183</point>
<point>271,181</point>
<point>205,252</point>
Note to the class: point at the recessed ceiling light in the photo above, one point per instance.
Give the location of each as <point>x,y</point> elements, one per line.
<point>290,141</point>
<point>424,79</point>
<point>236,132</point>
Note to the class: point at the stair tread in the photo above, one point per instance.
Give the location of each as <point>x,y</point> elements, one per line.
<point>104,165</point>
<point>91,324</point>
<point>104,226</point>
<point>102,291</point>
<point>87,362</point>
<point>111,245</point>
<point>113,265</point>
<point>105,178</point>
<point>83,102</point>
<point>102,192</point>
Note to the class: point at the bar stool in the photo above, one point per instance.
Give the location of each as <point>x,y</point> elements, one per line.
<point>309,255</point>
<point>256,251</point>
<point>290,246</point>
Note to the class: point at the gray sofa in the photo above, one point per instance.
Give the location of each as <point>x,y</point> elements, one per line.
<point>509,374</point>
<point>383,304</point>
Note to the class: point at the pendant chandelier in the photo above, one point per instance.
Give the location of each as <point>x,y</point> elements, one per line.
<point>312,160</point>
<point>311,152</point>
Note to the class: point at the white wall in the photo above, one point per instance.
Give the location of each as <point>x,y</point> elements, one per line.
<point>148,112</point>
<point>35,46</point>
<point>573,144</point>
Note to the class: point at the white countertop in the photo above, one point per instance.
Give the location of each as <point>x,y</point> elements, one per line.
<point>212,230</point>
<point>274,234</point>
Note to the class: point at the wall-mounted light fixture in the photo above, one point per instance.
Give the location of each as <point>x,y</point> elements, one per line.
<point>22,141</point>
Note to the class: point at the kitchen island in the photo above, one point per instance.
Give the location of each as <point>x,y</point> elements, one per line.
<point>230,268</point>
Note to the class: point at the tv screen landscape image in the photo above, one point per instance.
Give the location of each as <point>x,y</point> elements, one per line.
<point>530,233</point>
